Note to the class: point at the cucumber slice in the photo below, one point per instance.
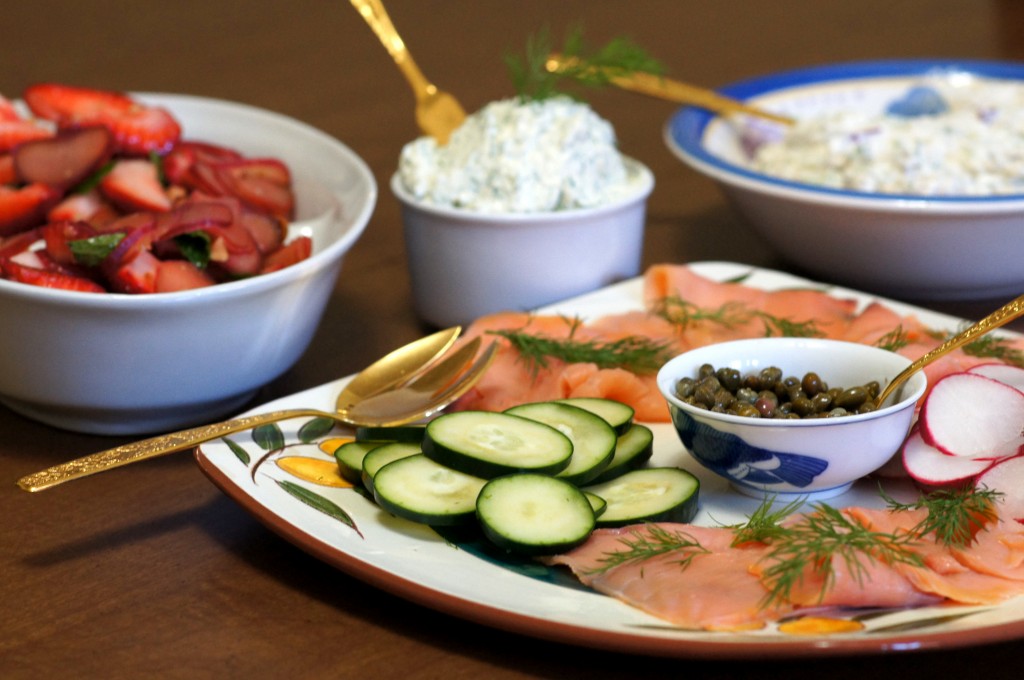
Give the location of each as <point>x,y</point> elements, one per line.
<point>618,415</point>
<point>597,504</point>
<point>632,450</point>
<point>350,459</point>
<point>396,433</point>
<point>422,490</point>
<point>593,439</point>
<point>534,514</point>
<point>488,444</point>
<point>381,456</point>
<point>664,494</point>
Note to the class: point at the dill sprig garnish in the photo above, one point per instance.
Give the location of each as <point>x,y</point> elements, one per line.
<point>820,537</point>
<point>586,66</point>
<point>637,354</point>
<point>764,523</point>
<point>658,541</point>
<point>954,515</point>
<point>993,347</point>
<point>894,340</point>
<point>682,313</point>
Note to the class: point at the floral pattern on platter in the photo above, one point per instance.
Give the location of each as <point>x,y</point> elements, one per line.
<point>306,470</point>
<point>743,464</point>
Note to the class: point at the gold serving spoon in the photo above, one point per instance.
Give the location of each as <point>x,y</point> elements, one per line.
<point>411,383</point>
<point>1002,316</point>
<point>438,113</point>
<point>675,91</point>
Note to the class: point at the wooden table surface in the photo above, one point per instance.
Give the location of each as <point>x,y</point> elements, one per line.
<point>150,571</point>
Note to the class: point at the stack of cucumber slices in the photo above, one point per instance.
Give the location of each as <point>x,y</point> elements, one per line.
<point>537,478</point>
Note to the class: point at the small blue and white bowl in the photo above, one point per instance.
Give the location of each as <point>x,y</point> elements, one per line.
<point>915,247</point>
<point>808,458</point>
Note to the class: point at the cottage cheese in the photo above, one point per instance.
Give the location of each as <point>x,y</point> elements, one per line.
<point>974,148</point>
<point>520,157</point>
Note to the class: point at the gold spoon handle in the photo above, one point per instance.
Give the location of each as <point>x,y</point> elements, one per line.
<point>154,447</point>
<point>673,90</point>
<point>1002,316</point>
<point>377,17</point>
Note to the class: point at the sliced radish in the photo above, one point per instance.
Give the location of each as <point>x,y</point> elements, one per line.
<point>969,415</point>
<point>1004,373</point>
<point>931,467</point>
<point>1007,476</point>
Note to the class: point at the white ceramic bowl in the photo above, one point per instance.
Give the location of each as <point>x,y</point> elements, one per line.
<point>904,246</point>
<point>129,364</point>
<point>467,264</point>
<point>813,458</point>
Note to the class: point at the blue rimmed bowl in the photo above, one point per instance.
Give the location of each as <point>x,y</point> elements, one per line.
<point>909,246</point>
<point>811,458</point>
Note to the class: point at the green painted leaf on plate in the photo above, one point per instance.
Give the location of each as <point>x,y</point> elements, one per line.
<point>314,429</point>
<point>269,437</point>
<point>315,500</point>
<point>240,453</point>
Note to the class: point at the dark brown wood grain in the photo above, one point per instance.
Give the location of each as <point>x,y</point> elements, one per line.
<point>149,570</point>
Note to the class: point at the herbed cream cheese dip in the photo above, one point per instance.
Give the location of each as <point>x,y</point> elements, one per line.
<point>516,156</point>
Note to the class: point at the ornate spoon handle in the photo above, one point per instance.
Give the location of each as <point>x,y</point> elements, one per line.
<point>154,447</point>
<point>1002,316</point>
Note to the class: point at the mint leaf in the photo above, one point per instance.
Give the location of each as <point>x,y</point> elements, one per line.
<point>93,250</point>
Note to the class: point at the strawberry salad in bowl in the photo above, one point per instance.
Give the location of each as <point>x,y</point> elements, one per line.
<point>163,256</point>
<point>100,192</point>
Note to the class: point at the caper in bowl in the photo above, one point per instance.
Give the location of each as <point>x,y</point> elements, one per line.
<point>812,456</point>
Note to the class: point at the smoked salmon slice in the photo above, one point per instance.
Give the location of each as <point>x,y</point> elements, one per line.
<point>942,574</point>
<point>713,589</point>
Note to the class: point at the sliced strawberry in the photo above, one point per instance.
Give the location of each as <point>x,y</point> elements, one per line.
<point>260,183</point>
<point>56,235</point>
<point>65,159</point>
<point>18,243</point>
<point>48,279</point>
<point>144,131</point>
<point>16,132</point>
<point>131,267</point>
<point>137,128</point>
<point>136,275</point>
<point>133,184</point>
<point>7,109</point>
<point>88,207</point>
<point>175,275</point>
<point>8,175</point>
<point>287,255</point>
<point>24,208</point>
<point>66,104</point>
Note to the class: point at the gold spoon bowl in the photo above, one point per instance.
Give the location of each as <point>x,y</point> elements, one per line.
<point>411,383</point>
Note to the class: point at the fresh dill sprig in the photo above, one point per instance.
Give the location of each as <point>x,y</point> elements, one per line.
<point>894,340</point>
<point>634,353</point>
<point>817,540</point>
<point>992,347</point>
<point>584,65</point>
<point>659,541</point>
<point>682,313</point>
<point>954,515</point>
<point>781,326</point>
<point>764,523</point>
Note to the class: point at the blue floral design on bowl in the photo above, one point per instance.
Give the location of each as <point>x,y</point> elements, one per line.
<point>745,465</point>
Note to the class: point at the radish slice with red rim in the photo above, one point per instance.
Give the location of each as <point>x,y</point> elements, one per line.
<point>931,467</point>
<point>970,415</point>
<point>1004,373</point>
<point>1007,477</point>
